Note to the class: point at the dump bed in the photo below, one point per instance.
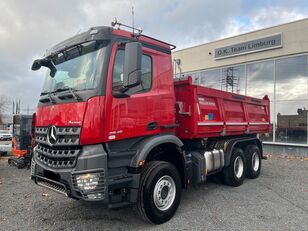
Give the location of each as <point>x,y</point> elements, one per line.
<point>205,112</point>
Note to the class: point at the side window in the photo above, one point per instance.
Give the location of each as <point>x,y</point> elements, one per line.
<point>146,69</point>
<point>117,77</point>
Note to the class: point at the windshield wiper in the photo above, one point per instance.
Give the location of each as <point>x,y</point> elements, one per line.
<point>49,97</point>
<point>71,90</point>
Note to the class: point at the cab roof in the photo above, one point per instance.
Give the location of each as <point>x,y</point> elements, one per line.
<point>101,33</point>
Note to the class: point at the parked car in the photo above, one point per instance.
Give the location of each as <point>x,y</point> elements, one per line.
<point>5,148</point>
<point>5,135</point>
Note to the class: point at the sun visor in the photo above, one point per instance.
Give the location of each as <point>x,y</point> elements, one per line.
<point>93,34</point>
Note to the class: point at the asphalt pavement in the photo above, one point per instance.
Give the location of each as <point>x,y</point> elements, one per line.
<point>277,200</point>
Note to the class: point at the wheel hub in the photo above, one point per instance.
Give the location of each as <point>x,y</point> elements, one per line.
<point>255,161</point>
<point>164,193</point>
<point>238,167</point>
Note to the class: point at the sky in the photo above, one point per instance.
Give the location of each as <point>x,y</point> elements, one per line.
<point>29,28</point>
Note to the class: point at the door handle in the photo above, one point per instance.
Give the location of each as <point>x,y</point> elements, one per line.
<point>152,126</point>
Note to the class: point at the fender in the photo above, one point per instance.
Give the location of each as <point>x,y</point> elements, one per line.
<point>230,144</point>
<point>144,148</point>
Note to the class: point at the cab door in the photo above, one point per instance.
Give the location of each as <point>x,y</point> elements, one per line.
<point>139,114</point>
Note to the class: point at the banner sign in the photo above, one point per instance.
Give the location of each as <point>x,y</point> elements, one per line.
<point>256,45</point>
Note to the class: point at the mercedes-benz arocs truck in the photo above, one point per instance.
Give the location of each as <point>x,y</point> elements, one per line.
<point>113,125</point>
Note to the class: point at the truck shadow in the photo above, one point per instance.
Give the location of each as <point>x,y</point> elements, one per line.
<point>58,211</point>
<point>128,216</point>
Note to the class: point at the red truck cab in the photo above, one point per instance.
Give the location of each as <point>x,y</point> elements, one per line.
<point>112,125</point>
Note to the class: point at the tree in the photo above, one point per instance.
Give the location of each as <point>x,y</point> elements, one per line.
<point>4,104</point>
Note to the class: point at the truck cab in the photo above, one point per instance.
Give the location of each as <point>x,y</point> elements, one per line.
<point>107,126</point>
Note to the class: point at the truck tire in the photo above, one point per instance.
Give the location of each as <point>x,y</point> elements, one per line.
<point>253,156</point>
<point>160,192</point>
<point>234,174</point>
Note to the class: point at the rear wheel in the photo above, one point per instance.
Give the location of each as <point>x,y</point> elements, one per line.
<point>253,155</point>
<point>234,174</point>
<point>160,192</point>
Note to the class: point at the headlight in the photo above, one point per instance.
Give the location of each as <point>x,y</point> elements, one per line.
<point>87,181</point>
<point>95,196</point>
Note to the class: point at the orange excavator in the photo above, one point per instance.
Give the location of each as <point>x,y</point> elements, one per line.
<point>22,141</point>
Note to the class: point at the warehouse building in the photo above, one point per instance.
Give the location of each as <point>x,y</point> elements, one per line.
<point>272,61</point>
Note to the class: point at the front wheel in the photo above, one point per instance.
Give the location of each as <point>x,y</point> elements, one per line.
<point>160,192</point>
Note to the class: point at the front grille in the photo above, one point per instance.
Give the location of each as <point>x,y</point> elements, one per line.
<point>32,167</point>
<point>63,153</point>
<point>66,136</point>
<point>57,158</point>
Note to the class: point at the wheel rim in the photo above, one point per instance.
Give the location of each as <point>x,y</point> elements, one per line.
<point>238,167</point>
<point>164,193</point>
<point>255,161</point>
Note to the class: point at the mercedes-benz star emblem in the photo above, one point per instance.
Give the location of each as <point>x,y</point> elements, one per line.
<point>52,135</point>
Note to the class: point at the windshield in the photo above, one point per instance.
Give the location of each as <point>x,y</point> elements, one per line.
<point>76,69</point>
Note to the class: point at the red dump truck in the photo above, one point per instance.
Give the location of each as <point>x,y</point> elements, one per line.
<point>112,125</point>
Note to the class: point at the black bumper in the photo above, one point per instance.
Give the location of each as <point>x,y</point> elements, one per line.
<point>117,187</point>
<point>92,159</point>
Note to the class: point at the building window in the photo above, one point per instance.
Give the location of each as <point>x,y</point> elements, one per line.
<point>291,122</point>
<point>260,79</point>
<point>291,100</point>
<point>260,82</point>
<point>209,78</point>
<point>234,79</point>
<point>291,78</point>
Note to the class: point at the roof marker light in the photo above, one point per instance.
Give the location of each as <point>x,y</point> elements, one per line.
<point>93,31</point>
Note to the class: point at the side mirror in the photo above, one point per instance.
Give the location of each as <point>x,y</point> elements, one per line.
<point>132,65</point>
<point>38,63</point>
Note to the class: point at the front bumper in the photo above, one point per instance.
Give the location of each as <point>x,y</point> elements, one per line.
<point>5,138</point>
<point>92,159</point>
